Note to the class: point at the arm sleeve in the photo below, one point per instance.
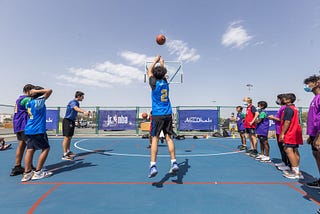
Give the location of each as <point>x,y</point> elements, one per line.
<point>253,110</point>
<point>262,115</point>
<point>24,101</point>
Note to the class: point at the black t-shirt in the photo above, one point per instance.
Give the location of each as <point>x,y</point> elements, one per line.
<point>288,113</point>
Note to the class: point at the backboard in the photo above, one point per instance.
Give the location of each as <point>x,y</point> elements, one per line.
<point>174,71</point>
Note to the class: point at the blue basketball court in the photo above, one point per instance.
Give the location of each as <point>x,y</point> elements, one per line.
<point>109,175</point>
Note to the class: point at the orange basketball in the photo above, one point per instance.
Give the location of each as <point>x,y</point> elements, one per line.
<point>160,39</point>
<point>144,115</point>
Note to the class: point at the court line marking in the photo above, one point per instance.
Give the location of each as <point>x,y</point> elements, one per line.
<point>38,202</point>
<point>141,155</point>
<point>58,184</point>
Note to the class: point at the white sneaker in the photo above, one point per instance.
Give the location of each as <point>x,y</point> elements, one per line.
<point>41,174</point>
<point>279,164</point>
<point>259,157</point>
<point>284,168</point>
<point>27,176</point>
<point>293,175</point>
<point>265,159</point>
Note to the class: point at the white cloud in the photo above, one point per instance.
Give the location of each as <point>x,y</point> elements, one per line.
<point>107,74</point>
<point>183,52</point>
<point>103,75</point>
<point>235,36</point>
<point>135,58</point>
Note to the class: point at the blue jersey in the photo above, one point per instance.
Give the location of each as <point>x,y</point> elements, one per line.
<point>70,112</point>
<point>37,116</point>
<point>160,97</point>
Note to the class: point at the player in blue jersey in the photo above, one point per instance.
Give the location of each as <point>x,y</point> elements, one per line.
<point>35,131</point>
<point>68,124</point>
<point>161,114</point>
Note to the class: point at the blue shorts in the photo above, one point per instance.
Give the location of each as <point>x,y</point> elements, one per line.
<point>38,142</point>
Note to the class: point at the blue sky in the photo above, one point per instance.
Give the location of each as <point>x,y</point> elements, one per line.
<point>100,47</point>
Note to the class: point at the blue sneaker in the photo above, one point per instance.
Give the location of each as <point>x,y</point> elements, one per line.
<point>174,168</point>
<point>153,171</point>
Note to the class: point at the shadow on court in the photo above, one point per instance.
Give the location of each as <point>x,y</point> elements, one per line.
<point>311,192</point>
<point>99,151</point>
<point>77,163</point>
<point>183,169</point>
<point>68,166</point>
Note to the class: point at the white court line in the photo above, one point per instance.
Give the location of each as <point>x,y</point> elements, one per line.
<point>140,155</point>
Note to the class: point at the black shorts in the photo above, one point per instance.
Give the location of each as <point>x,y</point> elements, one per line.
<point>242,131</point>
<point>250,131</point>
<point>161,123</point>
<point>290,145</point>
<point>262,138</point>
<point>68,127</point>
<point>21,136</point>
<point>38,141</point>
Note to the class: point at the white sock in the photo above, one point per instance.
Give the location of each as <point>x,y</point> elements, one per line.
<point>295,169</point>
<point>152,164</point>
<point>173,160</point>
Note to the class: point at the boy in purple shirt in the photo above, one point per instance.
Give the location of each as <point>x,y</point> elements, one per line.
<point>262,130</point>
<point>312,84</point>
<point>240,126</point>
<point>285,164</point>
<point>20,119</point>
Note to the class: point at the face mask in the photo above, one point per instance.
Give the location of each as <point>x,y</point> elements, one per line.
<point>277,102</point>
<point>245,103</point>
<point>307,88</point>
<point>258,109</point>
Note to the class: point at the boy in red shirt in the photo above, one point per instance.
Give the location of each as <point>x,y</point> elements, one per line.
<point>250,125</point>
<point>291,135</point>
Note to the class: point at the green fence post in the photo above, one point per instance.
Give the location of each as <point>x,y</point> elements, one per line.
<point>300,116</point>
<point>177,120</point>
<point>57,130</point>
<point>219,119</point>
<point>97,119</point>
<point>137,119</point>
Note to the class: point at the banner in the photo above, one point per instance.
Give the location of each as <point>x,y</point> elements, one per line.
<point>52,119</point>
<point>117,120</point>
<point>272,126</point>
<point>206,120</point>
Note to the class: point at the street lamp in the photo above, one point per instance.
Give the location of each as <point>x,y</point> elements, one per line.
<point>249,87</point>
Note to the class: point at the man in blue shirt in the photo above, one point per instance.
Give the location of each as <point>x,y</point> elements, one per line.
<point>161,114</point>
<point>35,131</point>
<point>68,124</point>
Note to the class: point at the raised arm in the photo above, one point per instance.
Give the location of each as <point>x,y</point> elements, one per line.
<point>156,60</point>
<point>46,92</point>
